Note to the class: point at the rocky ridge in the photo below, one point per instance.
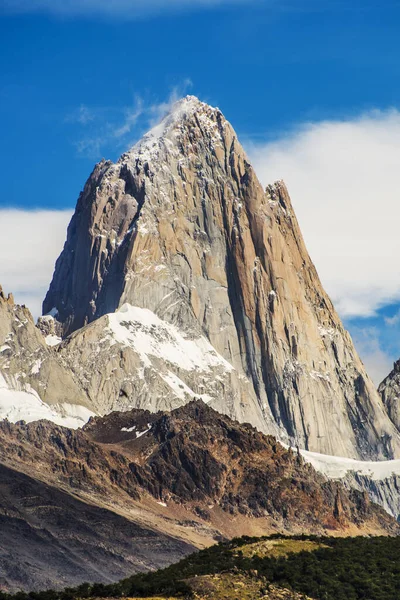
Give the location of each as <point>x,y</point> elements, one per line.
<point>179,233</point>
<point>192,459</point>
<point>33,382</point>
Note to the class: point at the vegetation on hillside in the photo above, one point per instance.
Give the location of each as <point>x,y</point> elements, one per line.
<point>322,568</point>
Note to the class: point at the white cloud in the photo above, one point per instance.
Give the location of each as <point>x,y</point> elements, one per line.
<point>131,117</point>
<point>110,8</point>
<point>82,115</point>
<point>395,320</point>
<point>343,178</point>
<point>30,242</point>
<point>377,362</point>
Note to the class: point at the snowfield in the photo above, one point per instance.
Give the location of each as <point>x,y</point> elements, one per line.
<point>336,467</point>
<point>26,405</point>
<point>150,336</point>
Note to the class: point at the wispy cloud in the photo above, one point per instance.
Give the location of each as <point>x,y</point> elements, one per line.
<point>127,9</point>
<point>83,115</point>
<point>106,129</point>
<point>394,320</point>
<point>131,118</point>
<point>343,179</point>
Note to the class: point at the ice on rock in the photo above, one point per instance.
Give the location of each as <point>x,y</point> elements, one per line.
<point>150,336</point>
<point>26,405</point>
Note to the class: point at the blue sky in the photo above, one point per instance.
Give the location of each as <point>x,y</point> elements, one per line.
<point>83,80</point>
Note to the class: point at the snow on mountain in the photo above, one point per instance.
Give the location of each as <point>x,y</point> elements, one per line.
<point>379,479</point>
<point>337,467</point>
<point>181,226</point>
<point>26,405</point>
<point>150,336</point>
<point>134,358</point>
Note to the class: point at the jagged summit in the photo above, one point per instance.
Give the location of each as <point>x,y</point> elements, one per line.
<point>179,113</point>
<point>168,135</point>
<point>181,231</point>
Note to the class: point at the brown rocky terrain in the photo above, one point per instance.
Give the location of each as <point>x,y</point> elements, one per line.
<point>135,490</point>
<point>51,539</point>
<point>194,455</point>
<point>177,247</point>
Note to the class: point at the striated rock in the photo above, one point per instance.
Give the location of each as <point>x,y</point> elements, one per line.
<point>379,480</point>
<point>33,383</point>
<point>181,226</point>
<point>50,539</point>
<point>390,392</point>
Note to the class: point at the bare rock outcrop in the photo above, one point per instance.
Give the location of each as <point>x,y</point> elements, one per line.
<point>33,382</point>
<point>390,392</point>
<point>51,539</point>
<point>195,458</point>
<point>181,226</point>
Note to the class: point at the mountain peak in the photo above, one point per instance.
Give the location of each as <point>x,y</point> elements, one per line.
<point>182,228</point>
<point>172,126</point>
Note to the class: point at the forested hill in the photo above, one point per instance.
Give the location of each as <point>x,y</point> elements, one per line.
<point>268,568</point>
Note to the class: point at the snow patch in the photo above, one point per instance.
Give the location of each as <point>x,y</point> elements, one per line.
<point>182,390</point>
<point>128,429</point>
<point>52,340</point>
<point>337,467</point>
<point>150,336</point>
<point>327,332</point>
<point>36,366</point>
<point>140,433</point>
<point>318,375</point>
<point>26,405</point>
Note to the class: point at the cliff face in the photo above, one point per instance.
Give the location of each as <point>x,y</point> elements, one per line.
<point>181,226</point>
<point>390,392</point>
<point>33,382</point>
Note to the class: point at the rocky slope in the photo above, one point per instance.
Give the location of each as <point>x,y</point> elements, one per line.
<point>135,490</point>
<point>180,239</point>
<point>390,392</point>
<point>51,539</point>
<point>33,383</point>
<point>223,476</point>
<point>380,480</point>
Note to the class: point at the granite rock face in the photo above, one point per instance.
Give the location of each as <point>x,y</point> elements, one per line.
<point>33,382</point>
<point>180,226</point>
<point>390,392</point>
